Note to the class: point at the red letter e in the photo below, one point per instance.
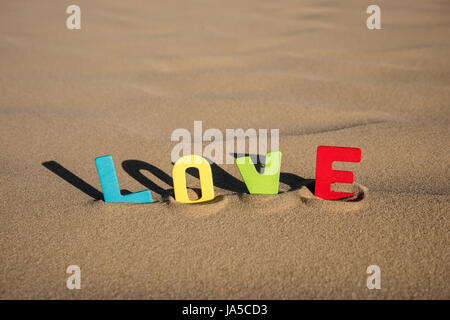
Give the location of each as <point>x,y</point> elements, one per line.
<point>325,175</point>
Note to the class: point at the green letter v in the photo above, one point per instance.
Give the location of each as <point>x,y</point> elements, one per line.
<point>261,183</point>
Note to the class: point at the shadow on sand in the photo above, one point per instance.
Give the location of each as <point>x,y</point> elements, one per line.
<point>134,168</point>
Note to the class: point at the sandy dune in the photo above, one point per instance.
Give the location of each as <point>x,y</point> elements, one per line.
<point>137,70</point>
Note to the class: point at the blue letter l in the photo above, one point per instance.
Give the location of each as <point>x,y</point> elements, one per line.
<point>110,184</point>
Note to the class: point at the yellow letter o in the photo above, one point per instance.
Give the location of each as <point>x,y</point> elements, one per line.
<point>179,178</point>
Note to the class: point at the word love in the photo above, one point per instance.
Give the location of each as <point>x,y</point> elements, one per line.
<point>257,183</point>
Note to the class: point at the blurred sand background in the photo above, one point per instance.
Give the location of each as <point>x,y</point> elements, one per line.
<point>137,70</point>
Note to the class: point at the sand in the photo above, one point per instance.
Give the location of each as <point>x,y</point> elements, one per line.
<point>137,70</point>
